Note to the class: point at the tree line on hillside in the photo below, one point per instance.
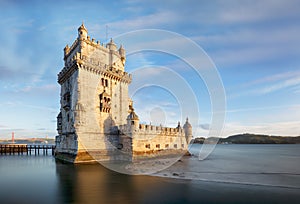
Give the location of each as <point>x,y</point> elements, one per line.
<point>253,139</point>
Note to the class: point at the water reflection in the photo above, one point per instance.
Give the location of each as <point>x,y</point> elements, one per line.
<point>94,184</point>
<point>41,179</point>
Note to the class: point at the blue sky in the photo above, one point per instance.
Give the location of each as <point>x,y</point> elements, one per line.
<point>254,45</point>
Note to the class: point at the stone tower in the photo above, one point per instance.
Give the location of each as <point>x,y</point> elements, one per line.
<point>97,120</point>
<point>94,96</point>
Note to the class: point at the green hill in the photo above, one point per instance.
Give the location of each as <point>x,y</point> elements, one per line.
<point>254,139</point>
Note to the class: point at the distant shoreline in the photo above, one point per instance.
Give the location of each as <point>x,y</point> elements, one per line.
<point>28,141</point>
<point>248,138</point>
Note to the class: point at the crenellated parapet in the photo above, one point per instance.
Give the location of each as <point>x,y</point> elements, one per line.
<point>87,47</point>
<point>151,129</point>
<point>101,69</point>
<point>97,58</point>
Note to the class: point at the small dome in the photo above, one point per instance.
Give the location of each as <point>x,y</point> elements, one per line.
<point>122,51</point>
<point>82,27</point>
<point>132,116</point>
<point>121,48</point>
<point>187,124</point>
<point>111,45</point>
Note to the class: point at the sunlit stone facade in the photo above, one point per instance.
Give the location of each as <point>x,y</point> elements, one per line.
<point>97,119</point>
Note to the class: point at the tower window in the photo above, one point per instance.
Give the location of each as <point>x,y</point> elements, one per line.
<point>132,122</point>
<point>104,82</point>
<point>105,103</point>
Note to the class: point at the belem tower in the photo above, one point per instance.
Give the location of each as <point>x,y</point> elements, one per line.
<point>97,120</point>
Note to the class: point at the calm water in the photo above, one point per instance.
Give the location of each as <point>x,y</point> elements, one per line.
<point>232,174</point>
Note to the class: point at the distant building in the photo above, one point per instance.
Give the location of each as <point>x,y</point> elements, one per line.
<point>97,120</point>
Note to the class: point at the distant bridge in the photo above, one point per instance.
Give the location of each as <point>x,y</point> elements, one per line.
<point>27,149</point>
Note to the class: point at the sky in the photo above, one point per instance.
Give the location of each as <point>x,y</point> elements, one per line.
<point>254,46</point>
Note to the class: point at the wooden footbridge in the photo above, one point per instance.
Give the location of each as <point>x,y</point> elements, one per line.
<point>26,149</point>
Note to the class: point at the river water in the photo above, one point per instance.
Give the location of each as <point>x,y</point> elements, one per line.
<point>231,174</point>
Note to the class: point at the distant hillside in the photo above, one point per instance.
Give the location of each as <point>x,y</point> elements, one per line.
<point>30,141</point>
<point>254,139</point>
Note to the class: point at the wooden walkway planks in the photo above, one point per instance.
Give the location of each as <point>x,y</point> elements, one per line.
<point>20,149</point>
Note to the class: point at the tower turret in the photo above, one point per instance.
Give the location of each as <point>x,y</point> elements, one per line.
<point>188,131</point>
<point>111,45</point>
<point>82,32</point>
<point>122,54</point>
<point>133,120</point>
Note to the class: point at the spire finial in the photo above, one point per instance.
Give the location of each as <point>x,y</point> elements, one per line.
<point>82,26</point>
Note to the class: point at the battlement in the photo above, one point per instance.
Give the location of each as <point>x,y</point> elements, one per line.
<point>92,56</point>
<point>97,68</point>
<point>151,129</point>
<point>96,44</point>
<point>94,51</point>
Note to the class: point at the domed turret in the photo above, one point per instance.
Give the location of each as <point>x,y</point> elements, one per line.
<point>188,131</point>
<point>133,119</point>
<point>133,116</point>
<point>122,54</point>
<point>82,32</point>
<point>122,51</point>
<point>111,45</point>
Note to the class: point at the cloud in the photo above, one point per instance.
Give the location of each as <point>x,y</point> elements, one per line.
<point>289,82</point>
<point>289,128</point>
<point>204,126</point>
<point>138,60</point>
<point>275,83</point>
<point>217,13</point>
<point>272,120</point>
<point>41,129</point>
<point>280,85</point>
<point>252,46</point>
<point>274,77</point>
<point>40,89</point>
<point>263,108</point>
<point>153,20</point>
<point>44,108</point>
<point>257,11</point>
<point>296,89</point>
